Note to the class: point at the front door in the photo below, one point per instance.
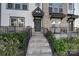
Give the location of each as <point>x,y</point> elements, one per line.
<point>37,25</point>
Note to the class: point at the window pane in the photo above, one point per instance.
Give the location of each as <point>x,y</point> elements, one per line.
<point>50,9</point>
<point>56,10</point>
<point>21,21</point>
<point>37,4</point>
<point>17,6</point>
<point>17,21</point>
<point>71,5</point>
<point>13,20</point>
<point>24,7</point>
<point>50,4</point>
<point>60,10</point>
<point>9,5</point>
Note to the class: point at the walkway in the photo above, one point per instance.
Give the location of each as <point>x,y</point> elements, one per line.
<point>38,46</point>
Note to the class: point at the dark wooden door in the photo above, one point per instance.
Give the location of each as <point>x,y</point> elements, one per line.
<point>37,25</point>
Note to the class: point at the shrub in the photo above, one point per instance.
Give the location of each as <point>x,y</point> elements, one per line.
<point>61,47</point>
<point>11,42</point>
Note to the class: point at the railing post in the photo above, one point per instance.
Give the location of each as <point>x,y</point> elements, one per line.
<point>45,30</point>
<point>29,31</point>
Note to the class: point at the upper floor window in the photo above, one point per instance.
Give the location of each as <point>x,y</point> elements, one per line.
<point>60,10</point>
<point>50,9</point>
<point>24,7</point>
<point>55,10</point>
<point>71,6</point>
<point>50,4</point>
<point>10,5</point>
<point>56,7</point>
<point>37,4</point>
<point>17,6</point>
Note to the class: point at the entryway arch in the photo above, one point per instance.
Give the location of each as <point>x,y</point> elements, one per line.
<point>37,14</point>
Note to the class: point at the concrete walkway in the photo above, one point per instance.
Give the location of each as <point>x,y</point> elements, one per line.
<point>38,45</point>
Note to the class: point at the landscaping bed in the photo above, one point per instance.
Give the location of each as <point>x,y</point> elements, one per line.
<point>62,46</point>
<point>12,44</point>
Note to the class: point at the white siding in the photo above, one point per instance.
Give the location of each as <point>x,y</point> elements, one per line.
<point>6,13</point>
<point>77,13</point>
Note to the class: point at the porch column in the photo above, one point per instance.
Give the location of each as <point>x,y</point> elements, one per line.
<point>71,24</point>
<point>46,18</point>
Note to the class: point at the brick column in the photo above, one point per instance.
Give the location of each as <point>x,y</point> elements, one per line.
<point>46,19</point>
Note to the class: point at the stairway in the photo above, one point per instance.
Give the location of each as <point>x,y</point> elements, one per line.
<point>38,46</point>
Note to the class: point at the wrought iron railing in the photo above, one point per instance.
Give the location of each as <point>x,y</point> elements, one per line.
<point>64,30</point>
<point>9,29</point>
<point>5,29</point>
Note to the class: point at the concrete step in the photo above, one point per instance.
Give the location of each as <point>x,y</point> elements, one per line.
<point>39,51</point>
<point>38,40</point>
<point>42,47</point>
<point>38,44</point>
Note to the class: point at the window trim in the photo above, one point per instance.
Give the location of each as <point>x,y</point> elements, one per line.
<point>70,6</point>
<point>17,20</point>
<point>25,5</point>
<point>56,11</point>
<point>8,5</point>
<point>59,10</point>
<point>19,6</point>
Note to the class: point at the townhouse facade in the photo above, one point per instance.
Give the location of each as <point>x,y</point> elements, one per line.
<point>38,15</point>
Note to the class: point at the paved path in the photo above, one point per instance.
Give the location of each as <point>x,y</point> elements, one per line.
<point>38,46</point>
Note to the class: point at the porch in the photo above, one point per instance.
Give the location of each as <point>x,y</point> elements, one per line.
<point>64,32</point>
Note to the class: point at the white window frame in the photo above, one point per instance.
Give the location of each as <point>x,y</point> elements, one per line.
<point>17,20</point>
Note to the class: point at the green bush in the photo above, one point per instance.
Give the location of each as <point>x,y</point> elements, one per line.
<point>11,42</point>
<point>61,47</point>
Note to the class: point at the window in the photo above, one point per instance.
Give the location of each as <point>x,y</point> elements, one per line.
<point>71,6</point>
<point>60,5</point>
<point>50,9</point>
<point>24,7</point>
<point>17,6</point>
<point>37,4</point>
<point>17,21</point>
<point>13,20</point>
<point>55,10</point>
<point>60,10</point>
<point>50,4</point>
<point>10,5</point>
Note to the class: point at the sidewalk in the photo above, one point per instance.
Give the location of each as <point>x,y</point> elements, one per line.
<point>38,46</point>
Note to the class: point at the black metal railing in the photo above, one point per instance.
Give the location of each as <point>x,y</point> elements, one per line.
<point>6,29</point>
<point>69,40</point>
<point>26,42</point>
<point>28,30</point>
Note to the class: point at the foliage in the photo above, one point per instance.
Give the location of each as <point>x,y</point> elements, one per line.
<point>10,42</point>
<point>60,46</point>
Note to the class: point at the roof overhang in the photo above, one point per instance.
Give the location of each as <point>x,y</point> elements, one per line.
<point>57,15</point>
<point>72,16</point>
<point>37,12</point>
